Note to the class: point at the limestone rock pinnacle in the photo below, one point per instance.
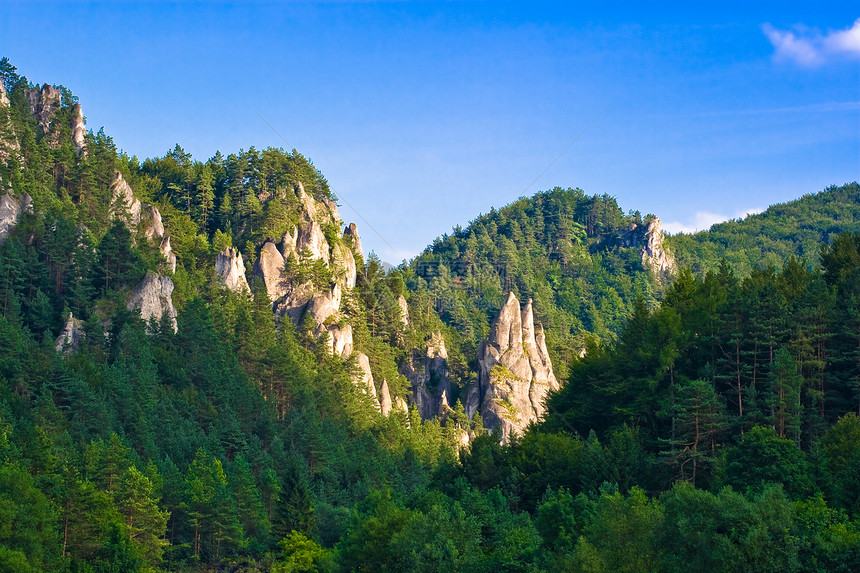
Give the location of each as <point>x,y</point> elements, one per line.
<point>515,372</point>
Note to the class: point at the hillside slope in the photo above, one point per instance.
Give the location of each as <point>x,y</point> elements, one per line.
<point>797,228</point>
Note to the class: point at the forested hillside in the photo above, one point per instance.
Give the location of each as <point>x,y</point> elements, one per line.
<point>579,257</point>
<point>201,370</point>
<point>794,229</point>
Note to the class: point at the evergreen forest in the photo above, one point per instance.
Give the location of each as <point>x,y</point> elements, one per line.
<point>708,417</point>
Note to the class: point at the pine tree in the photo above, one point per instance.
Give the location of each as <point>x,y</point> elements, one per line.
<point>785,386</point>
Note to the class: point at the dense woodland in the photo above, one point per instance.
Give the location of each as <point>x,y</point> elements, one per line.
<point>794,229</point>
<point>710,425</point>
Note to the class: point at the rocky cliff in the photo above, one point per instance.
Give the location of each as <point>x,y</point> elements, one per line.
<point>45,103</point>
<point>153,297</point>
<point>515,372</point>
<point>142,220</point>
<point>231,269</point>
<point>649,238</point>
<point>294,294</point>
<point>426,370</point>
<point>10,211</point>
<point>309,273</point>
<point>124,205</point>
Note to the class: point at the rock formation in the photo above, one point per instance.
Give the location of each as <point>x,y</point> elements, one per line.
<point>350,234</point>
<point>10,211</point>
<point>654,256</point>
<point>302,300</point>
<point>515,372</point>
<point>270,266</point>
<point>650,240</point>
<point>70,337</point>
<point>168,254</point>
<point>153,297</point>
<point>154,228</point>
<point>400,404</point>
<point>312,243</point>
<point>79,132</point>
<point>124,205</point>
<point>283,266</point>
<point>231,269</point>
<point>404,310</point>
<point>340,340</point>
<point>427,374</point>
<point>363,377</point>
<point>385,404</point>
<point>44,103</point>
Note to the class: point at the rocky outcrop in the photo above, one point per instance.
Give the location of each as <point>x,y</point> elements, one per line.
<point>153,227</point>
<point>302,244</point>
<point>324,308</point>
<point>141,218</point>
<point>340,340</point>
<point>404,310</point>
<point>71,336</point>
<point>400,404</point>
<point>311,243</point>
<point>515,372</point>
<point>4,99</point>
<point>168,254</point>
<point>654,255</point>
<point>427,374</point>
<point>44,103</point>
<point>153,297</point>
<point>385,403</point>
<point>270,266</point>
<point>79,132</point>
<point>649,239</point>
<point>10,211</point>
<point>231,270</point>
<point>124,205</point>
<point>363,377</point>
<point>350,235</point>
<point>344,262</point>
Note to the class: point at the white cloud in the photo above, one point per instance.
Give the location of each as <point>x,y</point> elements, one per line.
<point>703,220</point>
<point>810,48</point>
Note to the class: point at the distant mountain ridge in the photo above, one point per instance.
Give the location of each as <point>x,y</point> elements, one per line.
<point>793,229</point>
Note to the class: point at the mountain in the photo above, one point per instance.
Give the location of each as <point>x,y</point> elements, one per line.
<point>200,368</point>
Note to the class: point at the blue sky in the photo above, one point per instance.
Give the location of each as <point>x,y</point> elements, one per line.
<point>423,115</point>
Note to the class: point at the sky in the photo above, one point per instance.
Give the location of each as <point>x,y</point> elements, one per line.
<point>423,115</point>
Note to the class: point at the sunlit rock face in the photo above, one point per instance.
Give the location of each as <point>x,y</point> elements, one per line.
<point>515,372</point>
<point>363,377</point>
<point>306,244</point>
<point>231,270</point>
<point>153,298</point>
<point>125,206</point>
<point>649,239</point>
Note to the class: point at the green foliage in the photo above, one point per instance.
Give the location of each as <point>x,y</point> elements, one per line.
<point>772,238</point>
<point>577,257</point>
<point>238,443</point>
<point>763,458</point>
<point>300,554</point>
